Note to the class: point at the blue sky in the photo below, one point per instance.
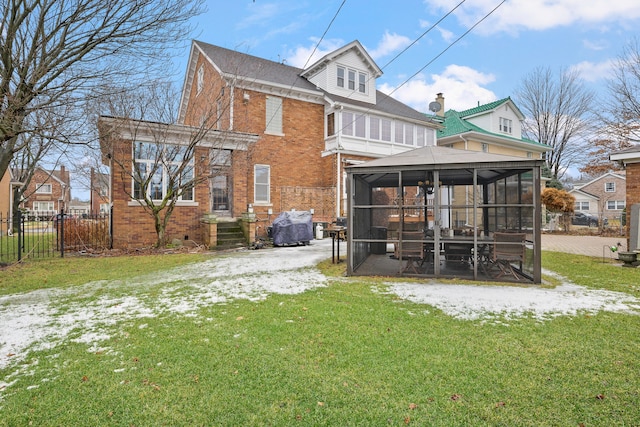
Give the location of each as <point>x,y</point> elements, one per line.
<point>486,64</point>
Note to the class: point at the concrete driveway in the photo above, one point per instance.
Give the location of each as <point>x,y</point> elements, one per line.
<point>594,246</point>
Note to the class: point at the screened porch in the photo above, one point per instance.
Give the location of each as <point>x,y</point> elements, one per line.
<point>442,212</point>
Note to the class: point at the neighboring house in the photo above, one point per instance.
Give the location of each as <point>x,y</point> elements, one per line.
<point>604,196</point>
<point>99,192</point>
<point>495,128</point>
<point>282,137</point>
<point>78,209</point>
<point>47,193</point>
<point>5,193</point>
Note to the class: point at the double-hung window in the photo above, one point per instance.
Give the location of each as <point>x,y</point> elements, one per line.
<point>615,205</point>
<point>581,206</point>
<point>261,184</point>
<point>162,170</point>
<point>43,188</point>
<point>505,125</point>
<point>341,71</point>
<point>355,80</point>
<point>610,187</point>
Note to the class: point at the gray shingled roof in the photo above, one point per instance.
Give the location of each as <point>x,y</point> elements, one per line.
<point>253,68</point>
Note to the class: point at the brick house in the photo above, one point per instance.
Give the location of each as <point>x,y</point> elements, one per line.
<point>630,159</point>
<point>99,192</point>
<point>122,140</point>
<point>47,193</point>
<point>311,123</point>
<point>603,196</point>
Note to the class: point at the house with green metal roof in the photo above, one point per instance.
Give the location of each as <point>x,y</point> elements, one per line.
<point>495,127</point>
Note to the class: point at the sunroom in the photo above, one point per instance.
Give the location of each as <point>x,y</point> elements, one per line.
<point>443,212</point>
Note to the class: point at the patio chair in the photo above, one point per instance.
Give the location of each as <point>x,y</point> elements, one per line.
<point>508,248</point>
<point>412,250</point>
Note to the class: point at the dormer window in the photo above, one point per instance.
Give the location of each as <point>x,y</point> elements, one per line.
<point>505,125</point>
<point>355,80</point>
<point>340,76</point>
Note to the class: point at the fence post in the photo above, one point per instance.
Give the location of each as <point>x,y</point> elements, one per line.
<point>61,232</point>
<point>20,233</point>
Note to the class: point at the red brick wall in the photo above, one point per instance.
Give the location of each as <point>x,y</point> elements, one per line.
<point>133,226</point>
<point>295,158</point>
<point>633,188</point>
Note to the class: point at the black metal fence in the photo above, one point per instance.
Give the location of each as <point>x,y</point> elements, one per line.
<point>23,237</point>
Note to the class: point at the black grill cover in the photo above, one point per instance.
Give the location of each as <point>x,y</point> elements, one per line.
<point>292,227</point>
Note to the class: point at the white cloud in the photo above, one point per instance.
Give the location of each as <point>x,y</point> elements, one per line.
<point>461,86</point>
<point>517,15</point>
<point>390,43</point>
<point>595,44</point>
<point>591,72</point>
<point>447,35</point>
<point>305,55</point>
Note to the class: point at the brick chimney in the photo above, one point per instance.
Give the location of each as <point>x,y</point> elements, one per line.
<point>440,100</point>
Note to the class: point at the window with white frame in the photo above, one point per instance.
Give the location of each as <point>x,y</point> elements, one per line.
<point>374,128</point>
<point>274,115</point>
<point>408,134</point>
<point>163,168</point>
<point>615,205</point>
<point>355,80</point>
<point>341,71</point>
<point>43,188</point>
<point>385,127</point>
<point>581,206</point>
<point>399,133</point>
<point>362,82</point>
<point>610,187</point>
<point>420,136</point>
<point>352,79</point>
<point>331,124</point>
<point>43,206</point>
<point>505,125</point>
<point>261,184</point>
<point>200,80</point>
<point>360,126</point>
<point>347,123</point>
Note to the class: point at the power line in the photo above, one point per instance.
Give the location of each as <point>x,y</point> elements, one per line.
<point>308,59</point>
<point>448,47</point>
<point>434,58</point>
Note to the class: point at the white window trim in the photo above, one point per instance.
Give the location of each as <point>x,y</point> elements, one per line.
<point>39,188</point>
<point>257,202</point>
<point>165,179</point>
<point>607,184</point>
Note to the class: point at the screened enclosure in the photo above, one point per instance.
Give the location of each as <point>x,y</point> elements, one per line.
<point>442,212</point>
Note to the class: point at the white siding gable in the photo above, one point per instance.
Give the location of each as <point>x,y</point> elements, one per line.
<point>490,121</point>
<point>352,65</point>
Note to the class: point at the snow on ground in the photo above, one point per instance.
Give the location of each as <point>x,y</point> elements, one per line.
<point>45,318</point>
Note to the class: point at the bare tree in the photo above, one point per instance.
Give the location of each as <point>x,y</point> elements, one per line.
<point>558,110</point>
<point>52,51</point>
<point>622,109</point>
<point>164,169</point>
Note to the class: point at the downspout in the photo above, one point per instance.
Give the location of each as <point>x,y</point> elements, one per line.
<point>231,109</point>
<point>466,143</point>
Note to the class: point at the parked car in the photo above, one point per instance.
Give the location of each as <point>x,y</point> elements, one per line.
<point>582,218</point>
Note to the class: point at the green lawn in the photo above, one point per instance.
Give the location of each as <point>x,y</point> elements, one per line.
<point>345,354</point>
